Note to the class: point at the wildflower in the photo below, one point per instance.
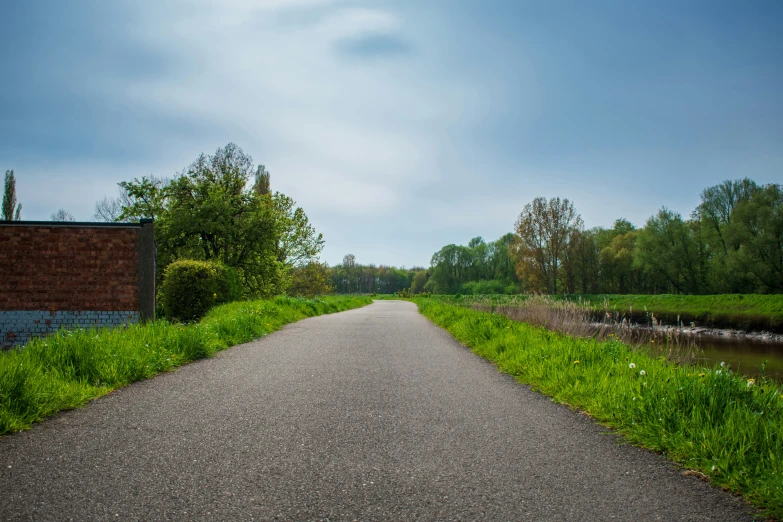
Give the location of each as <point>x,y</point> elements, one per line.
<point>642,372</point>
<point>751,382</point>
<point>653,342</point>
<point>722,364</point>
<point>717,372</point>
<point>576,361</point>
<point>632,366</point>
<point>701,375</point>
<point>214,296</point>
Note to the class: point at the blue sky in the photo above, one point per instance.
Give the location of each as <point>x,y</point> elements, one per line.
<point>399,126</point>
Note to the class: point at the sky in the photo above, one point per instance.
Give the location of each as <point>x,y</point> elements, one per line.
<point>398,126</point>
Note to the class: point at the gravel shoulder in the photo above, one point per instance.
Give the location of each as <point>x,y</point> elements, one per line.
<point>370,414</point>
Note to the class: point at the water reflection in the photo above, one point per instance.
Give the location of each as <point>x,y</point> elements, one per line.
<point>745,355</point>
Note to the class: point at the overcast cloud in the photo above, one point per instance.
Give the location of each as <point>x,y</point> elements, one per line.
<point>398,126</point>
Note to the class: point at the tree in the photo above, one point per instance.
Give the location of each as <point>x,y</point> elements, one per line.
<point>109,209</point>
<point>617,261</point>
<point>210,215</point>
<point>62,215</point>
<point>11,211</point>
<point>262,183</point>
<point>756,236</point>
<point>299,243</point>
<point>718,203</point>
<point>419,280</point>
<point>545,231</point>
<point>715,215</point>
<point>667,249</point>
<point>310,280</point>
<point>143,199</point>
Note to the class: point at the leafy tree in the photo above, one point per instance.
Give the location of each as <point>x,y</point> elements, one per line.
<point>756,237</point>
<point>715,216</point>
<point>144,198</point>
<point>11,211</point>
<point>310,280</point>
<point>718,203</point>
<point>617,261</point>
<point>418,282</point>
<point>210,215</point>
<point>210,212</point>
<point>667,250</point>
<point>62,215</point>
<point>545,233</point>
<point>299,243</point>
<point>585,260</point>
<point>262,185</point>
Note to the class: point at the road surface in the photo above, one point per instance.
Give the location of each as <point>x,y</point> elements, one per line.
<point>371,414</point>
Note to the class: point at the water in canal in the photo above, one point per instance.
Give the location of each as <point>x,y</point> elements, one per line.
<point>752,354</point>
<point>746,356</point>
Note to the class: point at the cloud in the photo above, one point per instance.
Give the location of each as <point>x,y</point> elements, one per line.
<point>353,22</point>
<point>374,46</point>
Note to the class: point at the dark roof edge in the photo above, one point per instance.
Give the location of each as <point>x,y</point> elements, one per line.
<point>73,224</point>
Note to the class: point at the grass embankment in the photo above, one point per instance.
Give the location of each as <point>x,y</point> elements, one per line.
<point>737,311</point>
<point>727,427</point>
<point>65,370</point>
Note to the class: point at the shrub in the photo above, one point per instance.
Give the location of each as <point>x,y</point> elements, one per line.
<point>190,288</point>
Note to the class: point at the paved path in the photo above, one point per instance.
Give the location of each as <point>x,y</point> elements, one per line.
<point>372,414</point>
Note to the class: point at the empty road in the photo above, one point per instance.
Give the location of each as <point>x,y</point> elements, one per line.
<point>371,414</point>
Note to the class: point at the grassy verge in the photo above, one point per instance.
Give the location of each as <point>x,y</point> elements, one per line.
<point>65,370</point>
<point>710,420</point>
<point>738,311</point>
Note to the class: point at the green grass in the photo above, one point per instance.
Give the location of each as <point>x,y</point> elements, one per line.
<point>740,311</point>
<point>710,420</point>
<point>736,311</point>
<point>65,370</point>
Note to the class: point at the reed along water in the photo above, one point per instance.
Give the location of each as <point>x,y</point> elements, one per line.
<point>747,353</point>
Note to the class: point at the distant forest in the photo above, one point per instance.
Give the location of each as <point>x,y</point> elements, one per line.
<point>731,243</point>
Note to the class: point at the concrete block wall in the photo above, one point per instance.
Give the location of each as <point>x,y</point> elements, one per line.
<point>71,275</point>
<point>20,326</point>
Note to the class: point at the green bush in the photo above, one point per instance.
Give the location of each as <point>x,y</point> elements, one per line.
<point>190,288</point>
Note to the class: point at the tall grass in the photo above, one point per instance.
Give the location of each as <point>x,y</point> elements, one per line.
<point>574,318</point>
<point>724,426</point>
<point>736,311</point>
<point>65,370</point>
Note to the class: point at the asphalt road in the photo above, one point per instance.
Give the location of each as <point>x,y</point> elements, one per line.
<point>371,414</point>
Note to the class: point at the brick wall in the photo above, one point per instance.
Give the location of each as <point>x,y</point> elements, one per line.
<point>56,275</point>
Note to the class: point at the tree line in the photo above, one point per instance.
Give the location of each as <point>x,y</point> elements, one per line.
<point>350,277</point>
<point>731,243</point>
